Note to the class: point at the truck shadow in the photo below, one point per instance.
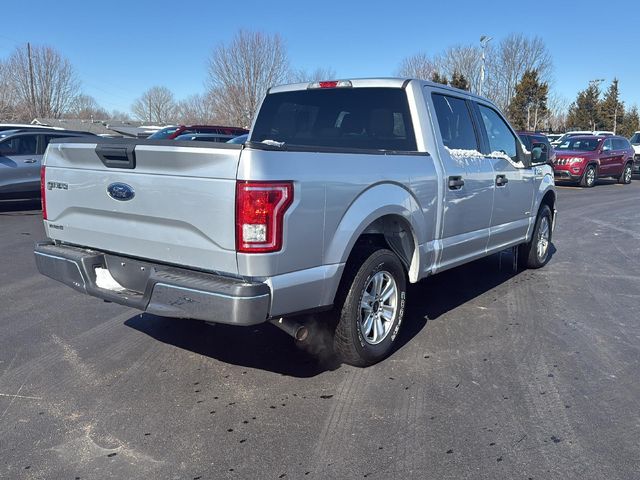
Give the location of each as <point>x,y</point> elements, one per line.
<point>265,347</point>
<point>20,207</point>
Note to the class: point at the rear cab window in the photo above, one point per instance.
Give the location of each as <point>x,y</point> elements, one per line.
<point>456,126</point>
<point>337,118</point>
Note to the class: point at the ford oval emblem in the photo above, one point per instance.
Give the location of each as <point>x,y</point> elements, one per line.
<point>121,191</point>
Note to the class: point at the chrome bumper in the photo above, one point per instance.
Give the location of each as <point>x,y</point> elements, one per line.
<point>157,289</point>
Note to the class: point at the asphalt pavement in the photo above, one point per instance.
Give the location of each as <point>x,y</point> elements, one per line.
<point>528,375</point>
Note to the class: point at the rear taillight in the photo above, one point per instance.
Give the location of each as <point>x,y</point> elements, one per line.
<point>43,190</point>
<point>260,209</point>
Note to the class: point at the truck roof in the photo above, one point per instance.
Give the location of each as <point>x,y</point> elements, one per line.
<point>374,82</point>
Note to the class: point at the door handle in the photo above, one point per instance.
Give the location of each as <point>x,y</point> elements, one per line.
<point>455,182</point>
<point>30,160</point>
<point>501,180</point>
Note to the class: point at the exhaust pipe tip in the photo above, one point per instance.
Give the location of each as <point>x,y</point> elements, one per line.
<point>299,332</point>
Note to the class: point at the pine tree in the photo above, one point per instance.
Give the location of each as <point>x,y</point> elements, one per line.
<point>529,105</point>
<point>611,109</point>
<point>458,80</point>
<point>631,122</point>
<point>584,113</point>
<point>437,78</point>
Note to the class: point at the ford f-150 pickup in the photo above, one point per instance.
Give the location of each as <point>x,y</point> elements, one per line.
<point>345,191</point>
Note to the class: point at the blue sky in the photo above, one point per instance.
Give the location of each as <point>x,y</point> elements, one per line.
<point>120,49</point>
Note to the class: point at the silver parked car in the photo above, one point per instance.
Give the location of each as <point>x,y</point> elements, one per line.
<point>20,156</point>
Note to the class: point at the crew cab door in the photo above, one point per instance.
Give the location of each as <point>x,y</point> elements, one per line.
<point>468,183</point>
<point>514,184</point>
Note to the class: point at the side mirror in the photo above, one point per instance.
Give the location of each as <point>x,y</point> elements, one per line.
<point>539,154</point>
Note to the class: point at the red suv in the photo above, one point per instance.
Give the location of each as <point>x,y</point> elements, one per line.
<point>169,133</point>
<point>584,159</point>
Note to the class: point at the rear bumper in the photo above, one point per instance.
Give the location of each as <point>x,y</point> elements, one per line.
<point>157,289</point>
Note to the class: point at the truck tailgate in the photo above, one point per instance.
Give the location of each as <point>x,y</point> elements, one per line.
<point>178,207</point>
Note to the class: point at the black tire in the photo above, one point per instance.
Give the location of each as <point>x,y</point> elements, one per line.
<point>528,254</point>
<point>625,176</point>
<point>589,180</point>
<point>350,343</point>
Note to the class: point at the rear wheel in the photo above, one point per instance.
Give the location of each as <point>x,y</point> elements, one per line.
<point>589,177</point>
<point>625,177</point>
<point>371,304</point>
<point>535,253</point>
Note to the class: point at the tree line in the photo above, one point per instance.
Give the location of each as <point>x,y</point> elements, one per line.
<point>38,82</point>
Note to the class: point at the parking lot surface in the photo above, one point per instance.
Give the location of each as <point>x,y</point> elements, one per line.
<point>498,374</point>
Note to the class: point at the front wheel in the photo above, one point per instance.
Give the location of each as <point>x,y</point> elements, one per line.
<point>625,177</point>
<point>589,177</point>
<point>371,304</point>
<point>535,253</point>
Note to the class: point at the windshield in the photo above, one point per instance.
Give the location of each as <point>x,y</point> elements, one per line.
<point>163,133</point>
<point>580,144</point>
<point>635,140</point>
<point>346,118</point>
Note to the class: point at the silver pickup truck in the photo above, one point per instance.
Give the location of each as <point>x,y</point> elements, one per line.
<point>345,191</point>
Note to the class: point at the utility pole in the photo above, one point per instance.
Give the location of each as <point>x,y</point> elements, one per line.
<point>484,39</point>
<point>33,92</point>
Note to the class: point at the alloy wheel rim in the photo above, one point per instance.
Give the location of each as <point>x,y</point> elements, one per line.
<point>591,176</point>
<point>542,245</point>
<point>627,174</point>
<point>378,307</point>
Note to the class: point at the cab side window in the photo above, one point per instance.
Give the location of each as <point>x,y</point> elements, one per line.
<point>501,139</point>
<point>454,120</point>
<point>608,146</point>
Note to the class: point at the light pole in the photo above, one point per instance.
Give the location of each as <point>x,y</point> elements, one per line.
<point>484,39</point>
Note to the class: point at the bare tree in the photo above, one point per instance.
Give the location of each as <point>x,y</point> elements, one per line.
<point>120,116</point>
<point>8,101</point>
<point>197,109</point>
<point>302,75</point>
<point>558,109</point>
<point>45,83</point>
<point>156,105</point>
<point>507,63</point>
<point>241,72</point>
<point>85,107</point>
<point>418,66</point>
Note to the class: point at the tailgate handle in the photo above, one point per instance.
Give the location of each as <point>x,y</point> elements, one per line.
<point>117,156</point>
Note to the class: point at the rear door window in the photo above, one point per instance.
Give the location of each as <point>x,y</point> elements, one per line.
<point>454,120</point>
<point>343,118</point>
<point>620,144</point>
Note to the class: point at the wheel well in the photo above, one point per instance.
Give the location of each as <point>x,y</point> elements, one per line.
<point>392,232</point>
<point>549,199</point>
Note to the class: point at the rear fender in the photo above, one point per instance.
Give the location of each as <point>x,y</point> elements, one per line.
<point>374,203</point>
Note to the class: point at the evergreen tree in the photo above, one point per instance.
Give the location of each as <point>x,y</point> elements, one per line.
<point>529,105</point>
<point>458,80</point>
<point>631,123</point>
<point>437,78</point>
<point>611,109</point>
<point>584,113</point>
